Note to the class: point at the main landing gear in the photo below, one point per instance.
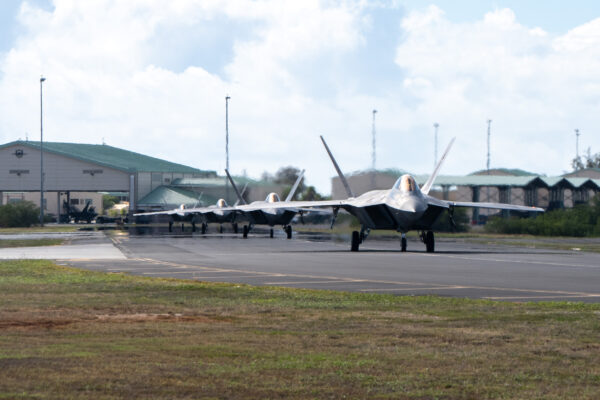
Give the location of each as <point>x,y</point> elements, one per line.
<point>358,238</point>
<point>403,243</point>
<point>429,240</point>
<point>288,231</point>
<point>203,228</point>
<point>245,231</point>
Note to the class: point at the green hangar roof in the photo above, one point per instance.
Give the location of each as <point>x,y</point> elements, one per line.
<point>111,157</point>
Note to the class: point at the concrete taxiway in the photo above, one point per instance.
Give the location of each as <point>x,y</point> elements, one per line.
<point>457,268</point>
<point>79,245</point>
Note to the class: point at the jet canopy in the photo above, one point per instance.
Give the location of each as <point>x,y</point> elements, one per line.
<point>272,198</point>
<point>221,203</point>
<point>406,184</point>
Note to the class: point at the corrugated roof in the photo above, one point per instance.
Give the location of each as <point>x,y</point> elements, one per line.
<point>112,157</point>
<point>170,197</point>
<point>481,180</point>
<point>507,171</point>
<point>218,182</point>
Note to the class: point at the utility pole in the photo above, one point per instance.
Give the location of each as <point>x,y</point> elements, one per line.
<point>435,147</point>
<point>489,122</point>
<point>227,144</point>
<point>42,79</point>
<point>373,152</point>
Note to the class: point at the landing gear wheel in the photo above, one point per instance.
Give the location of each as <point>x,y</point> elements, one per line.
<point>429,242</point>
<point>193,227</point>
<point>403,244</point>
<point>235,227</point>
<point>170,226</point>
<point>220,228</point>
<point>245,232</point>
<point>182,227</point>
<point>271,233</point>
<point>288,231</point>
<point>355,241</point>
<point>203,228</point>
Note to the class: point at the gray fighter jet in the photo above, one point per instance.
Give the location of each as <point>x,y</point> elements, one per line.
<point>402,208</point>
<point>219,213</point>
<point>261,212</point>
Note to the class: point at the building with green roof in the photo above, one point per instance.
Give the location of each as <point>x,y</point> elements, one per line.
<point>78,167</point>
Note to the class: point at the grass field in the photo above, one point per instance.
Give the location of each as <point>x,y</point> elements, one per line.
<point>5,243</point>
<point>72,334</point>
<point>39,229</point>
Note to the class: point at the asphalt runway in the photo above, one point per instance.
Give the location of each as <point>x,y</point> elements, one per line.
<point>457,268</point>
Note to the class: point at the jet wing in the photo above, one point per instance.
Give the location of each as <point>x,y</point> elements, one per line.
<point>166,212</point>
<point>499,206</point>
<point>180,211</point>
<point>291,205</point>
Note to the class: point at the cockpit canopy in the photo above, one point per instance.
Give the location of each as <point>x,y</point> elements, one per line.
<point>272,198</point>
<point>406,183</point>
<point>221,203</point>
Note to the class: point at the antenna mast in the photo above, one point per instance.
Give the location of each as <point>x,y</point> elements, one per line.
<point>373,156</point>
<point>577,143</point>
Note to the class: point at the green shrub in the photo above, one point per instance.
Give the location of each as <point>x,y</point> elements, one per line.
<point>579,221</point>
<point>21,214</point>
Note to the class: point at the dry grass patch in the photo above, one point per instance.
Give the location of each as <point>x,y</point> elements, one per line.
<point>66,333</point>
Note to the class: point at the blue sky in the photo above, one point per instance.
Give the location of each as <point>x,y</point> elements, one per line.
<point>152,76</point>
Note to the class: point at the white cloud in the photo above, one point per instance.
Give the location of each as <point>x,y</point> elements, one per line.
<point>535,87</point>
<point>298,69</point>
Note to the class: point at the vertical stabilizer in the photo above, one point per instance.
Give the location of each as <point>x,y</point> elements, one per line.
<point>240,198</point>
<point>427,186</point>
<point>293,190</point>
<point>339,171</point>
<point>243,191</point>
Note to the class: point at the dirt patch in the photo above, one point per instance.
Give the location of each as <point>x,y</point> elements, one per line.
<point>35,324</point>
<point>146,317</point>
<point>46,323</point>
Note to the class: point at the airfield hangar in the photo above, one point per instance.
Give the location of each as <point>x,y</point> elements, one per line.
<point>79,173</point>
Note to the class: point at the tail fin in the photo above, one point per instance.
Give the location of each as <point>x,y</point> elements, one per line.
<point>241,199</point>
<point>243,191</point>
<point>427,186</point>
<point>293,189</point>
<point>339,171</point>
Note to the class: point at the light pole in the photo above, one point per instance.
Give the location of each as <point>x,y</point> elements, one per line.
<point>489,124</point>
<point>373,153</point>
<point>42,79</point>
<point>227,144</point>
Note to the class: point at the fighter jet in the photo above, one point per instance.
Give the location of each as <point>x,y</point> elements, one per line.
<point>402,208</point>
<point>211,214</point>
<point>260,212</point>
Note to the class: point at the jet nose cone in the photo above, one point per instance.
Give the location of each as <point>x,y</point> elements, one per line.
<point>413,204</point>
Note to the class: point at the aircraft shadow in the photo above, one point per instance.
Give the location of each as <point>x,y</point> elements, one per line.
<point>446,252</point>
